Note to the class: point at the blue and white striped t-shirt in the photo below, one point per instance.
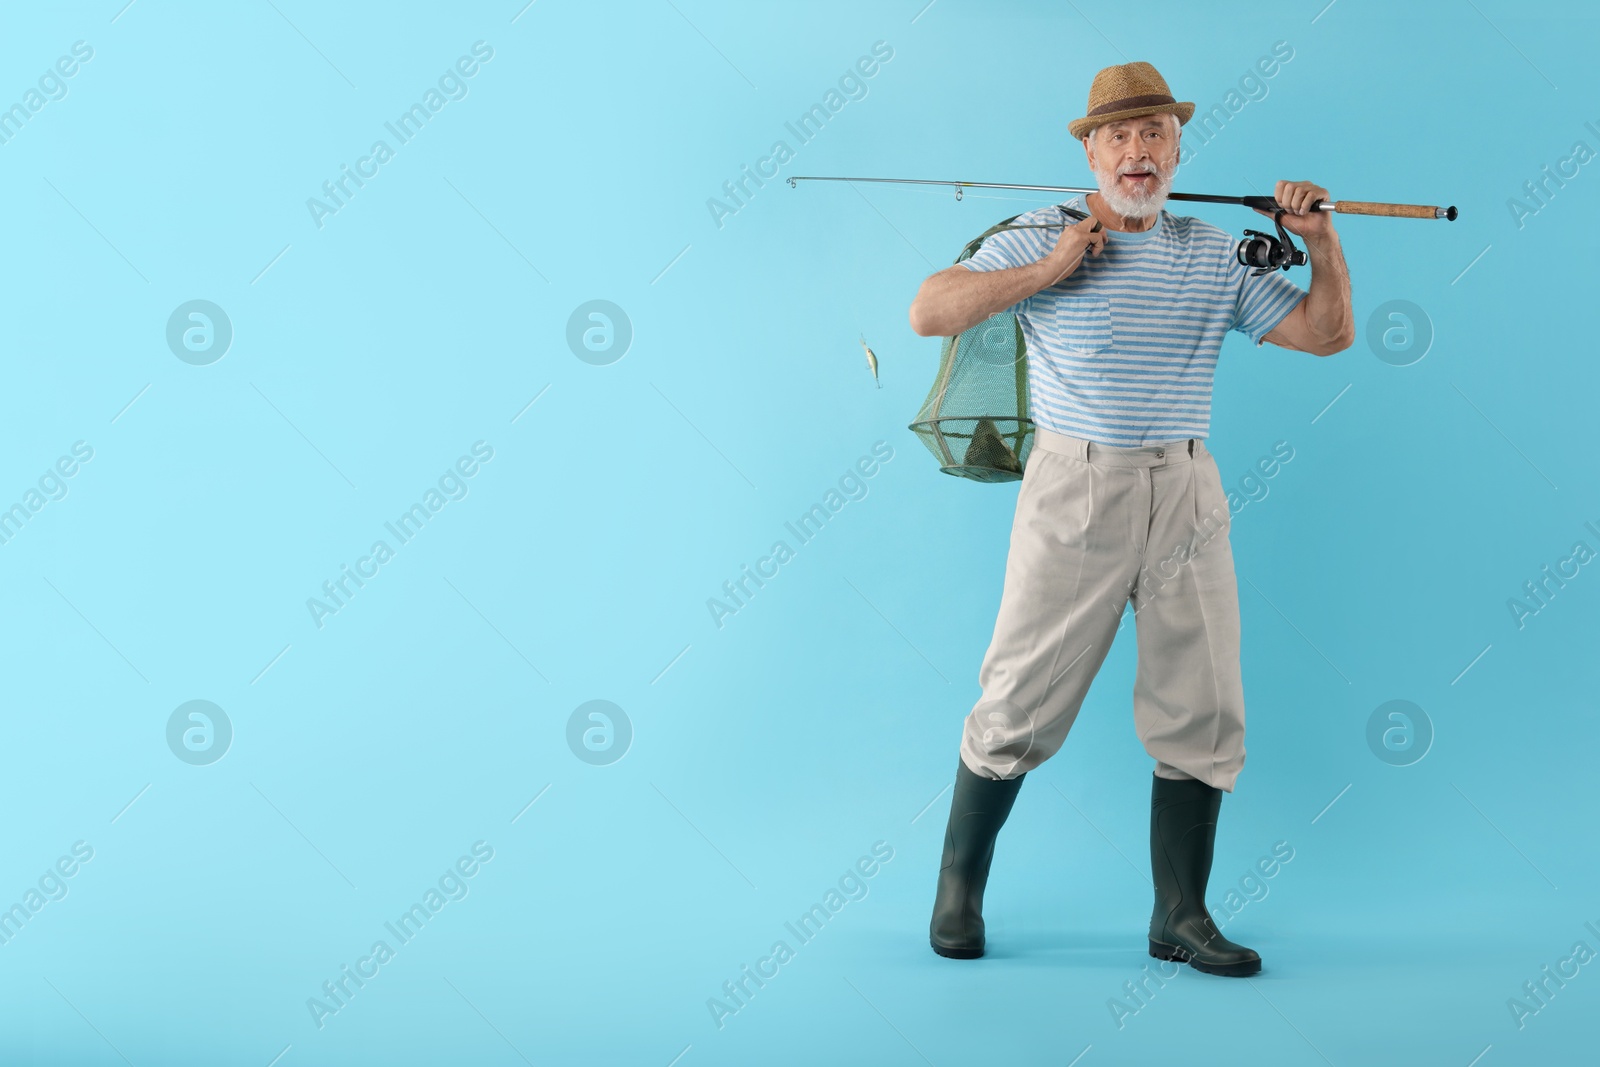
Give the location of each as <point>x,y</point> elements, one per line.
<point>1124,350</point>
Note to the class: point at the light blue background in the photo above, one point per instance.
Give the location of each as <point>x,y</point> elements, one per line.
<point>769,754</point>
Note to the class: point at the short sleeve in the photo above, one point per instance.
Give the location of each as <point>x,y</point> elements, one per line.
<point>1260,301</point>
<point>1012,248</point>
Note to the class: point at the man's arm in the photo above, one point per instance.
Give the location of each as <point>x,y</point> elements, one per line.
<point>1323,322</point>
<point>956,298</point>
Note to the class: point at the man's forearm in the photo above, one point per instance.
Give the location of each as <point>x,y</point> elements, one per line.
<point>957,298</point>
<point>1328,310</point>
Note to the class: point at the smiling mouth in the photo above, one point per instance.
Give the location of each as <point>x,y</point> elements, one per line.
<point>1139,176</point>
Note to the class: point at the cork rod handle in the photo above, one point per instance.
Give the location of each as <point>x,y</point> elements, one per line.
<point>1398,211</point>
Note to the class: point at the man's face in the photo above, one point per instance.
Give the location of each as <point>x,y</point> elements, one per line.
<point>1134,161</point>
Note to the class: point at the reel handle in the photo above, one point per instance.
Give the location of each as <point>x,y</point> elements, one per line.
<point>1361,207</point>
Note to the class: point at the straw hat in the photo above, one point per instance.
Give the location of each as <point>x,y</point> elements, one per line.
<point>1127,92</point>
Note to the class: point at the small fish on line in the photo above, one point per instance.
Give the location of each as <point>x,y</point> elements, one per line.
<point>872,361</point>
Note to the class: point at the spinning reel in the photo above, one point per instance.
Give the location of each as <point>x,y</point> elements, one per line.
<point>1268,253</point>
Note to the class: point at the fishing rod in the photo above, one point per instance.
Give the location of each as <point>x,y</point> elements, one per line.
<point>1262,203</point>
<point>1260,250</point>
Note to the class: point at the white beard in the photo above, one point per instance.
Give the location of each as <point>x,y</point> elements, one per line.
<point>1139,204</point>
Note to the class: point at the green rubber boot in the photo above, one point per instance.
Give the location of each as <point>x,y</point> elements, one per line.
<point>978,809</point>
<point>1183,831</point>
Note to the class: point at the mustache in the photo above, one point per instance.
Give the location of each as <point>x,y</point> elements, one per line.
<point>1111,183</point>
<point>1146,168</point>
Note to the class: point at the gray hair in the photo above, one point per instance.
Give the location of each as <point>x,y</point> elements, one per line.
<point>1176,127</point>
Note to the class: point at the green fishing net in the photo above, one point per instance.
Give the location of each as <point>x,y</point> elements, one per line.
<point>975,419</point>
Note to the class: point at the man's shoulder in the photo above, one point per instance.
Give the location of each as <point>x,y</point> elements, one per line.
<point>1026,234</point>
<point>1050,214</point>
<point>1196,230</point>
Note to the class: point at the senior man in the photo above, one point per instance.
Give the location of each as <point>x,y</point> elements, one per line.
<point>1123,314</point>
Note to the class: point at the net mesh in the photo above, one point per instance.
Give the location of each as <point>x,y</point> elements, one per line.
<point>975,419</point>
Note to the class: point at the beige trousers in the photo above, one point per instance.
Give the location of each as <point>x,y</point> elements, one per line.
<point>1095,528</point>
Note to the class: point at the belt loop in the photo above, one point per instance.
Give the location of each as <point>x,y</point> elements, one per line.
<point>1191,446</point>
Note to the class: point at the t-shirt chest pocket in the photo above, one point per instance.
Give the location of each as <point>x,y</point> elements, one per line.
<point>1085,323</point>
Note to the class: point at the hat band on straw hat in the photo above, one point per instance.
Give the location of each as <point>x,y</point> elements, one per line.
<point>1129,102</point>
